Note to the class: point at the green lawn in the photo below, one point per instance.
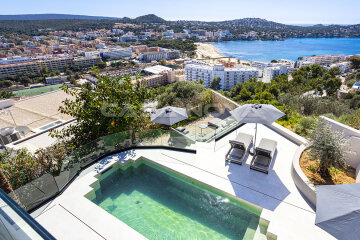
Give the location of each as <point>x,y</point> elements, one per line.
<point>36,91</point>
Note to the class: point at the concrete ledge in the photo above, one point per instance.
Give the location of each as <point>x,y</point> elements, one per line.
<point>288,134</point>
<point>301,181</point>
<point>353,136</point>
<point>357,174</point>
<point>299,178</point>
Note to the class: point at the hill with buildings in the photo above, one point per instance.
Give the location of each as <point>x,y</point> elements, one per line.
<point>52,16</point>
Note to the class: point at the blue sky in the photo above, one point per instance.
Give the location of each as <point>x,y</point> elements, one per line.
<point>284,11</point>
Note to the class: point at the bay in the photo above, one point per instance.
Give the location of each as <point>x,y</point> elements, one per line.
<point>288,49</point>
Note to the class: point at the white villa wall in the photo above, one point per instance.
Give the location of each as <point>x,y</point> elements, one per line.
<point>353,158</point>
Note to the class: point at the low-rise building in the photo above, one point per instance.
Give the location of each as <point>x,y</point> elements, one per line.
<point>157,56</point>
<point>56,80</point>
<point>117,53</point>
<point>343,66</point>
<point>324,60</point>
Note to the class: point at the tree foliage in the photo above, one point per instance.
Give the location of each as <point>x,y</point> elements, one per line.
<point>184,93</point>
<point>215,84</point>
<point>115,105</point>
<point>355,62</point>
<point>330,146</point>
<point>20,167</point>
<point>186,45</point>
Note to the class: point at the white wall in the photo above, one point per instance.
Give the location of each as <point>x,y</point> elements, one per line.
<point>353,158</point>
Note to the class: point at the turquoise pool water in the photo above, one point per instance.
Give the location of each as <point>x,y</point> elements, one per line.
<point>161,204</point>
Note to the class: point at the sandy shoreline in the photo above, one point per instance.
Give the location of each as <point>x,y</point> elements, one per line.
<point>205,50</point>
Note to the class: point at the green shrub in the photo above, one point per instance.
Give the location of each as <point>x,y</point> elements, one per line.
<point>329,146</point>
<point>305,125</point>
<point>21,167</point>
<point>330,115</point>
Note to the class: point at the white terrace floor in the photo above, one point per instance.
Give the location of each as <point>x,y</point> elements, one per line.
<point>72,216</point>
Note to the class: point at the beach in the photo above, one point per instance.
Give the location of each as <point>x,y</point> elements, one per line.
<point>205,50</point>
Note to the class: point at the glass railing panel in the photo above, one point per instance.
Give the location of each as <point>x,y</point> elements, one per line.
<point>13,227</point>
<point>180,140</point>
<point>35,192</point>
<point>40,190</point>
<point>152,137</point>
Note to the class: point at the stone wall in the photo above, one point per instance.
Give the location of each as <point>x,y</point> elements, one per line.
<point>221,103</point>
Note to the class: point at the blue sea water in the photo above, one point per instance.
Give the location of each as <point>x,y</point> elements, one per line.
<point>288,49</point>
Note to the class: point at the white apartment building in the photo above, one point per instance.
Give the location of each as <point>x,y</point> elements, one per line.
<point>91,54</point>
<point>117,52</point>
<point>15,59</point>
<point>325,59</point>
<point>259,65</point>
<point>285,62</point>
<point>343,66</point>
<point>272,72</point>
<point>229,76</point>
<point>305,63</point>
<point>51,63</point>
<point>157,56</point>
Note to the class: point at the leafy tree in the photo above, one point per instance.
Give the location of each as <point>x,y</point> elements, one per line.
<point>201,81</point>
<point>5,84</point>
<point>274,61</point>
<point>355,102</point>
<point>215,84</point>
<point>20,167</point>
<point>330,146</point>
<point>101,65</point>
<point>244,95</point>
<point>264,96</point>
<point>355,62</point>
<point>6,94</point>
<point>183,93</point>
<point>115,105</point>
<point>163,62</point>
<point>331,85</point>
<point>334,71</point>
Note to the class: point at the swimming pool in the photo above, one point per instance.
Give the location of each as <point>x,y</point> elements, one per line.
<point>162,204</point>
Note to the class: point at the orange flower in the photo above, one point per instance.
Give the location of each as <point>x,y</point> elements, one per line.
<point>112,123</point>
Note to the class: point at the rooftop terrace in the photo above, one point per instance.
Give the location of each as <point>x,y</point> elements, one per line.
<point>290,215</point>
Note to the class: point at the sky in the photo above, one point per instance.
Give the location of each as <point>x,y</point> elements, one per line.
<point>283,11</point>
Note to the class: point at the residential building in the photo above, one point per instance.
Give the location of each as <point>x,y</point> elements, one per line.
<point>117,53</point>
<point>272,72</point>
<point>325,59</point>
<point>51,63</point>
<point>343,66</point>
<point>259,65</point>
<point>169,34</point>
<point>157,56</point>
<point>55,80</point>
<point>85,62</point>
<point>229,76</point>
<point>15,59</point>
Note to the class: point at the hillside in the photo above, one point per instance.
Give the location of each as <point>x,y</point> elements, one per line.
<point>52,16</point>
<point>150,18</point>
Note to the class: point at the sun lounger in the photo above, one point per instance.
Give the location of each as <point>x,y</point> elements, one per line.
<point>239,148</point>
<point>264,154</point>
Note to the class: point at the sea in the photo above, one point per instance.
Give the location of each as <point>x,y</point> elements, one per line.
<point>291,49</point>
